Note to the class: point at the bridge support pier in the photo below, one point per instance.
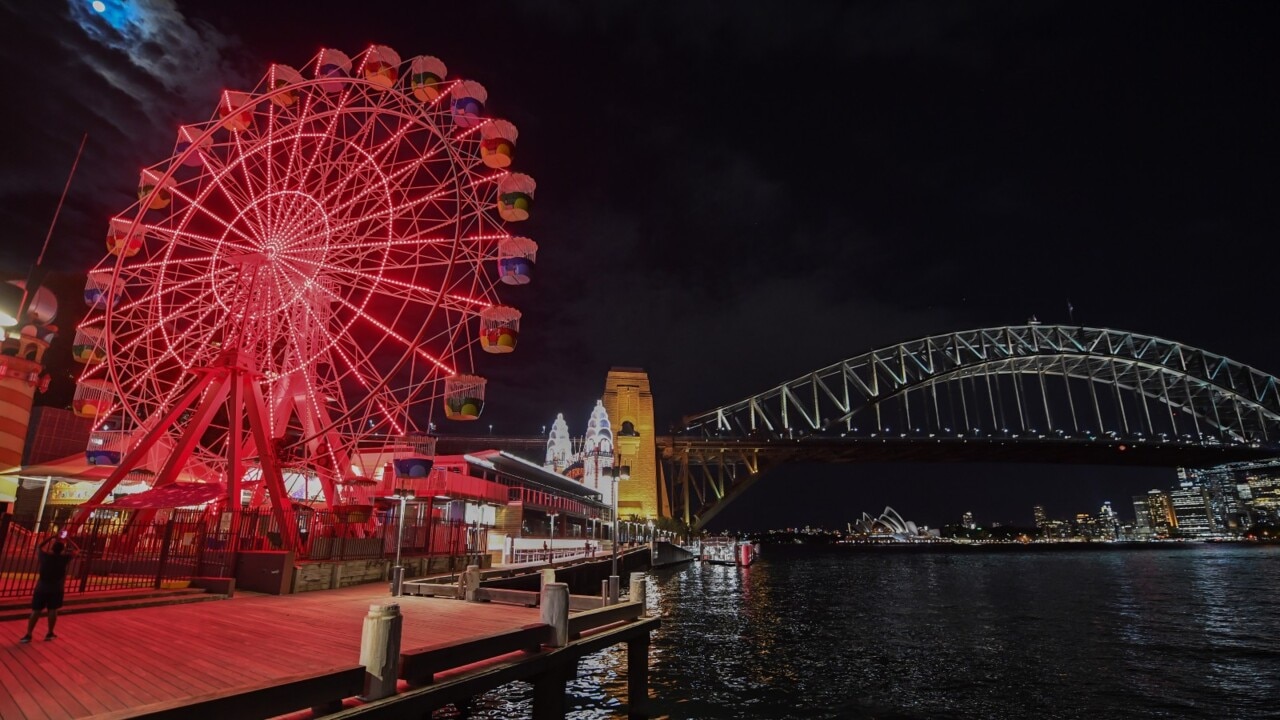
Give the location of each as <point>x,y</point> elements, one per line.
<point>638,677</point>
<point>548,692</point>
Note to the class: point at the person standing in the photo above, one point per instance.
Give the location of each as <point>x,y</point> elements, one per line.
<point>55,556</point>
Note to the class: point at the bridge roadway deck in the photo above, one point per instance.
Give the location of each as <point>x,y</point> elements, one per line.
<point>111,661</point>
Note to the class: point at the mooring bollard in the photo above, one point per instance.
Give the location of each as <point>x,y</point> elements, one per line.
<point>615,588</point>
<point>604,592</point>
<point>380,651</point>
<point>640,589</point>
<point>548,577</point>
<point>555,612</point>
<point>471,582</point>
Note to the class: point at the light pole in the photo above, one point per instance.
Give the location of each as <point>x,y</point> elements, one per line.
<point>404,495</point>
<point>552,544</point>
<point>617,472</point>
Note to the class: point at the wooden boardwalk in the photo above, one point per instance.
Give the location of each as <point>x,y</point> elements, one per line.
<point>110,662</point>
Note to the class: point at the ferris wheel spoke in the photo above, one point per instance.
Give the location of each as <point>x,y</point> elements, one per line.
<point>196,241</point>
<point>418,161</point>
<point>219,176</point>
<point>205,212</point>
<point>425,236</point>
<point>250,183</point>
<point>131,343</point>
<point>413,292</point>
<point>328,137</point>
<point>269,161</point>
<point>360,313</point>
<point>383,185</point>
<point>388,212</point>
<point>172,289</point>
<point>358,371</point>
<point>142,375</point>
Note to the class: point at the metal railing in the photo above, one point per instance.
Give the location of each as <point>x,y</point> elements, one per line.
<point>115,554</point>
<point>538,555</point>
<point>109,555</point>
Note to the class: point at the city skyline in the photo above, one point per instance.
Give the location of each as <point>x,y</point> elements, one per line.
<point>943,166</point>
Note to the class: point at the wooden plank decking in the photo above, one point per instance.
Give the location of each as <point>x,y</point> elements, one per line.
<point>113,661</point>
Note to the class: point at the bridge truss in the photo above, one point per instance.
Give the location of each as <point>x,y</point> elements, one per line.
<point>1024,393</point>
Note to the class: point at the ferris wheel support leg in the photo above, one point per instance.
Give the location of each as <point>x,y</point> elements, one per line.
<point>214,398</point>
<point>235,453</point>
<point>194,430</point>
<point>134,457</point>
<point>271,476</point>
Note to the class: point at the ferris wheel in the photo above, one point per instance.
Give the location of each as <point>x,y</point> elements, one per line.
<point>314,267</point>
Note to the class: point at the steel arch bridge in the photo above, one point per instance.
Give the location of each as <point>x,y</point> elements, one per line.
<point>1030,393</point>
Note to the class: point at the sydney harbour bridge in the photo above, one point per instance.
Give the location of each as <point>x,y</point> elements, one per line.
<point>1029,393</point>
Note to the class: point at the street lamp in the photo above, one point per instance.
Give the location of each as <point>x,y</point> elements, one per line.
<point>404,495</point>
<point>552,544</point>
<point>617,472</point>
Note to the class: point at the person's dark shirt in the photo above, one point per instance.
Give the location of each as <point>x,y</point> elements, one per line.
<point>53,569</point>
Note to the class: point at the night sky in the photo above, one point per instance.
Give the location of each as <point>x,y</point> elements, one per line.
<point>732,195</point>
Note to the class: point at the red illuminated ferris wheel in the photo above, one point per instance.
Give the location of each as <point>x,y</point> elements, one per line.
<point>313,267</point>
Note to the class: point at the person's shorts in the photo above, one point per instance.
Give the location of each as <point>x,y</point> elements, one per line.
<point>46,598</point>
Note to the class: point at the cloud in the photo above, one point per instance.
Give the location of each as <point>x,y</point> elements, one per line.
<point>186,57</point>
<point>127,77</point>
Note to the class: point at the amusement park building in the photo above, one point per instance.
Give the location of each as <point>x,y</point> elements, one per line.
<point>507,501</point>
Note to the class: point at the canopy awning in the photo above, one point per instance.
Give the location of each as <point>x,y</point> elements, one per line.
<point>76,468</point>
<point>173,495</point>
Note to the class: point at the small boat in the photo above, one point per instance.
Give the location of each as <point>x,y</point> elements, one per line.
<point>728,551</point>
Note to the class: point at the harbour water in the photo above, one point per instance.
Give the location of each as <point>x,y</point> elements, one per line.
<point>839,632</point>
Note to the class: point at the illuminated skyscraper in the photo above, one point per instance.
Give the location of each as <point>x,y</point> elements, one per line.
<point>1162,518</point>
<point>967,520</point>
<point>1108,523</point>
<point>1142,517</point>
<point>1190,505</point>
<point>1086,526</point>
<point>1227,511</point>
<point>1038,514</point>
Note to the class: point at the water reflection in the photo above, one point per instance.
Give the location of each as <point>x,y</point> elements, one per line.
<point>833,633</point>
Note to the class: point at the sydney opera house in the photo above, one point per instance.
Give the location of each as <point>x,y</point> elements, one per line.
<point>890,527</point>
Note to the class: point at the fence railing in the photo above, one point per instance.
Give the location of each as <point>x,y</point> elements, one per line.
<point>116,554</point>
<point>107,555</point>
<point>536,555</point>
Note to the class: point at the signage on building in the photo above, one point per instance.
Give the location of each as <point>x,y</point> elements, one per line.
<point>64,493</point>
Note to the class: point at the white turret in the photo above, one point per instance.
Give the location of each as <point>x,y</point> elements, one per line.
<point>597,453</point>
<point>559,447</point>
